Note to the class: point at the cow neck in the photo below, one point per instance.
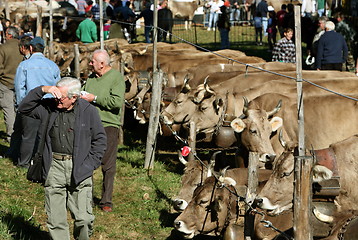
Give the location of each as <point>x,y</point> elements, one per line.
<point>327,158</point>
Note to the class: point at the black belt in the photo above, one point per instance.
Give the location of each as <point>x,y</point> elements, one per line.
<point>61,156</point>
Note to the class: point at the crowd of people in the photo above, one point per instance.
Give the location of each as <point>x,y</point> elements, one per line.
<point>78,124</point>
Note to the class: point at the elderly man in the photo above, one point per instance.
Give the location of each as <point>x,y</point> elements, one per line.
<point>33,72</point>
<point>332,50</point>
<point>106,92</point>
<point>74,145</point>
<point>9,60</point>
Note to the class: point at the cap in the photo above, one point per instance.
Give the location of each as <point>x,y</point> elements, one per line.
<point>37,40</point>
<point>270,8</point>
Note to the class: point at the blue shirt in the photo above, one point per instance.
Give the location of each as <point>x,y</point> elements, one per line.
<point>33,72</point>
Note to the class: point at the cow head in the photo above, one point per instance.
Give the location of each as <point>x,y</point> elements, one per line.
<point>180,110</point>
<point>194,175</point>
<point>208,211</point>
<point>256,127</point>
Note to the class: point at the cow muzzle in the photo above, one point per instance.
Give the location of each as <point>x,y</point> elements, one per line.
<point>179,204</point>
<point>181,227</point>
<point>266,157</point>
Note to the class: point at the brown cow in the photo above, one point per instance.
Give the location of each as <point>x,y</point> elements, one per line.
<point>277,195</point>
<point>214,207</point>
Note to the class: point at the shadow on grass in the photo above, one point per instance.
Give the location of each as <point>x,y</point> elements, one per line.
<point>21,229</point>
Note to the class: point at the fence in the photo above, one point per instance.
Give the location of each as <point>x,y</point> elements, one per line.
<point>242,32</point>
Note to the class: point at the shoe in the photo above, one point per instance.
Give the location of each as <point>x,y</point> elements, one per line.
<point>260,43</point>
<point>208,29</point>
<point>106,209</point>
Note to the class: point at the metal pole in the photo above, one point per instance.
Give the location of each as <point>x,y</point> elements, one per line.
<point>77,61</point>
<point>101,35</point>
<point>302,187</point>
<point>50,45</point>
<point>39,22</point>
<point>155,100</point>
<point>192,141</point>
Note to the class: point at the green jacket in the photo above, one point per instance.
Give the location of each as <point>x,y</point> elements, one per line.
<point>109,90</point>
<point>87,31</point>
<point>10,58</point>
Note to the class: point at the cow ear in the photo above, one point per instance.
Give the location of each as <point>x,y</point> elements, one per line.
<point>321,173</point>
<point>238,125</point>
<point>217,205</point>
<point>276,123</point>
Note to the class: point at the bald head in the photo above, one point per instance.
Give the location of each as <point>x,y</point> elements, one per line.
<point>100,62</point>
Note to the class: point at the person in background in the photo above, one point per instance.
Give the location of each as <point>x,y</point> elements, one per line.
<point>87,30</point>
<point>10,59</point>
<point>89,6</point>
<point>234,11</point>
<point>95,11</point>
<point>106,29</point>
<point>16,136</point>
<point>332,49</point>
<point>74,145</point>
<point>284,50</point>
<point>258,28</point>
<point>280,15</point>
<point>271,29</point>
<point>224,27</point>
<point>262,8</point>
<point>31,73</point>
<point>81,7</point>
<point>147,14</point>
<point>214,13</point>
<point>349,34</point>
<point>106,92</point>
<point>110,9</point>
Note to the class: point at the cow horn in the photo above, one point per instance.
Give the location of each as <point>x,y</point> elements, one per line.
<point>181,159</point>
<point>276,109</point>
<point>321,216</point>
<point>246,105</point>
<point>206,85</point>
<point>282,141</point>
<point>126,69</point>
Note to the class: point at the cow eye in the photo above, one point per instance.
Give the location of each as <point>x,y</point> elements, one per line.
<point>285,174</point>
<point>203,108</point>
<point>253,131</point>
<point>203,202</point>
<point>179,101</point>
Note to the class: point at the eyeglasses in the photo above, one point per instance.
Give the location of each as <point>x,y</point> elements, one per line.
<point>61,99</point>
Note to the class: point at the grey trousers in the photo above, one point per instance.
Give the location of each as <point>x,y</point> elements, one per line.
<point>7,103</point>
<point>60,194</point>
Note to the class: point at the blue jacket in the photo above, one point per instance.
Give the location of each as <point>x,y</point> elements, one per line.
<point>90,138</point>
<point>332,48</point>
<point>33,72</point>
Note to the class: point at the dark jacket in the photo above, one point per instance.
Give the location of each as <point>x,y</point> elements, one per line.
<point>90,137</point>
<point>332,48</point>
<point>10,59</point>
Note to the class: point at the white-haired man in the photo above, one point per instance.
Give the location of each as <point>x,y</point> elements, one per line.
<point>75,142</point>
<point>332,50</point>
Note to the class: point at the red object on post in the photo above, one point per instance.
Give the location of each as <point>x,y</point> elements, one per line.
<point>185,151</point>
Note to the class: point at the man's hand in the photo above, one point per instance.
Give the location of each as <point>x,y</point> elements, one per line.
<point>88,97</point>
<point>53,90</point>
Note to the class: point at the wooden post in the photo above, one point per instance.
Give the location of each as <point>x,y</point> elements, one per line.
<point>101,35</point>
<point>39,22</point>
<point>77,61</point>
<point>156,98</point>
<point>192,140</point>
<point>302,187</point>
<point>121,132</point>
<point>7,10</point>
<point>50,45</point>
<point>252,183</point>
